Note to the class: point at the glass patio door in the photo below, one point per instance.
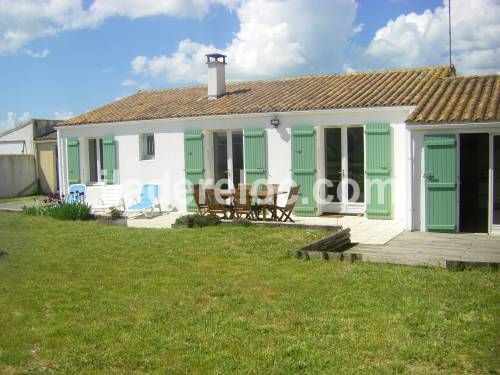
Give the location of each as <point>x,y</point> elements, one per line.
<point>228,163</point>
<point>495,191</point>
<point>344,168</point>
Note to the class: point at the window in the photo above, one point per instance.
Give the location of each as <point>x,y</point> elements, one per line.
<point>147,146</point>
<point>96,165</point>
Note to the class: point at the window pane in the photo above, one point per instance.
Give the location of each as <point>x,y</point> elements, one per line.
<point>496,180</point>
<point>150,145</point>
<point>101,153</point>
<point>333,158</point>
<point>92,160</point>
<point>237,157</point>
<point>356,161</point>
<point>220,156</point>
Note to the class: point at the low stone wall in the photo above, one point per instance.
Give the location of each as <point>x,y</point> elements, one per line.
<point>17,175</point>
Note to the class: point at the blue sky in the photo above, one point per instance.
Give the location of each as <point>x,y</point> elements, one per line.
<point>79,55</point>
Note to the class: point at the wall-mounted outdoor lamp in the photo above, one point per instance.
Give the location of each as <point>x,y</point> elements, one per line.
<point>275,121</point>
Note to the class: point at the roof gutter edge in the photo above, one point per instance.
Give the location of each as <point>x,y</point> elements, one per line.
<point>466,125</point>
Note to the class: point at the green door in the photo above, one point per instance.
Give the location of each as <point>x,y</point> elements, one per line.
<point>304,168</point>
<point>109,158</point>
<point>441,182</point>
<point>255,154</point>
<point>73,161</point>
<point>193,163</point>
<point>378,171</point>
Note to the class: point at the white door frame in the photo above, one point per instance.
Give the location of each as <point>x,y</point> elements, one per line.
<point>344,206</point>
<point>98,155</point>
<point>211,155</point>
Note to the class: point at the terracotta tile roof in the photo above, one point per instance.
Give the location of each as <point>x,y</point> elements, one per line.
<point>364,89</point>
<point>460,100</point>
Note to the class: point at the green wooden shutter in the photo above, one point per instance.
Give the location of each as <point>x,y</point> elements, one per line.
<point>378,170</point>
<point>441,182</point>
<point>73,161</point>
<point>255,154</point>
<point>109,158</point>
<point>304,168</point>
<point>193,162</point>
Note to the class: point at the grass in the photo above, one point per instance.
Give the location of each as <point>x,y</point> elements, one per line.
<point>79,297</point>
<point>21,199</point>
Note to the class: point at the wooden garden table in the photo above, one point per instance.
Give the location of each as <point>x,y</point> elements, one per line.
<point>262,194</point>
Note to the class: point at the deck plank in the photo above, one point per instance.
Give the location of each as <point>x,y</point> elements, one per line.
<point>424,248</point>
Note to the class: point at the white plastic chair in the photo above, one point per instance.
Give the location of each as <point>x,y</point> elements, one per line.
<point>112,197</point>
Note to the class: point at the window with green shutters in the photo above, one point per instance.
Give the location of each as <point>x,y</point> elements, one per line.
<point>304,168</point>
<point>193,163</point>
<point>440,182</point>
<point>378,170</point>
<point>73,154</point>
<point>109,158</point>
<point>255,154</point>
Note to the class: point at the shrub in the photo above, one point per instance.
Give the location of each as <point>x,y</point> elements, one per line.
<point>197,220</point>
<point>200,221</point>
<point>70,211</point>
<point>186,220</point>
<point>36,210</point>
<point>54,198</point>
<point>115,213</point>
<point>61,211</point>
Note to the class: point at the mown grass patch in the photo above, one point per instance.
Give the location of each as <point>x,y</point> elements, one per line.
<point>83,297</point>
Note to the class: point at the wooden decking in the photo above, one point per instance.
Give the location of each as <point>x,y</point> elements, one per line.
<point>435,249</point>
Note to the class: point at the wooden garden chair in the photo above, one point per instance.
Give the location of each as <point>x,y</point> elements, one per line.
<point>202,206</point>
<point>268,202</point>
<point>285,212</point>
<point>216,207</point>
<point>242,203</point>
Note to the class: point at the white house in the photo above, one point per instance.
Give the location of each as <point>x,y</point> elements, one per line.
<point>349,130</point>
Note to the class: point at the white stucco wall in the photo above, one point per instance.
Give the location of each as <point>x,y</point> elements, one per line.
<point>168,166</point>
<point>19,141</point>
<point>400,158</point>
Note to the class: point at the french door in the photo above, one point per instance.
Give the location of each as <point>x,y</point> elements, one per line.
<point>228,159</point>
<point>344,168</point>
<point>495,184</point>
<point>96,164</point>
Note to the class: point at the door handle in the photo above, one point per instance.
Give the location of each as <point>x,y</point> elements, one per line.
<point>427,175</point>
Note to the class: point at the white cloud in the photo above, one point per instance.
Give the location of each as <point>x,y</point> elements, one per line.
<point>129,83</point>
<point>275,38</point>
<point>348,68</point>
<point>22,21</point>
<point>422,39</point>
<point>63,115</point>
<point>102,9</point>
<point>135,84</point>
<point>12,119</point>
<point>358,28</point>
<point>37,55</point>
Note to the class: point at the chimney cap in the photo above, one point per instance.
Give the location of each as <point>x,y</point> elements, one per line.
<point>214,57</point>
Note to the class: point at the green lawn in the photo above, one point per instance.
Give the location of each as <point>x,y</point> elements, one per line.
<point>83,297</point>
<point>21,199</point>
